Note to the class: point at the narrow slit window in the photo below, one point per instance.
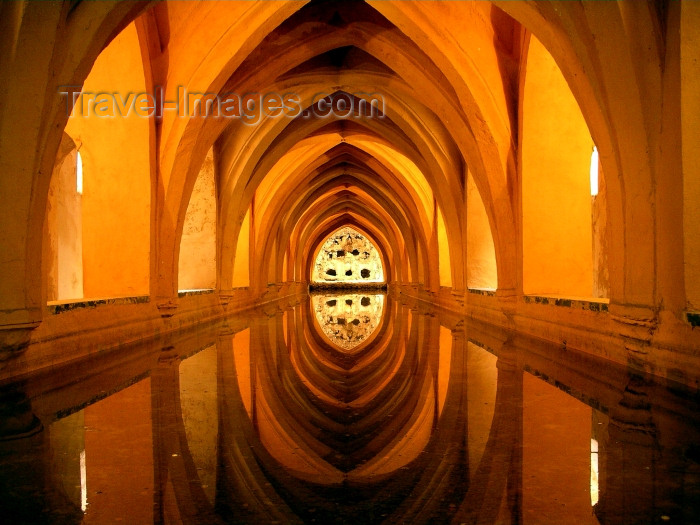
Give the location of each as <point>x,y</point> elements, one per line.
<point>594,172</point>
<point>594,472</point>
<point>79,173</point>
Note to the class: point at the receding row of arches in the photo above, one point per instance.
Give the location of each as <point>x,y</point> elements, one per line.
<point>354,170</point>
<point>471,172</point>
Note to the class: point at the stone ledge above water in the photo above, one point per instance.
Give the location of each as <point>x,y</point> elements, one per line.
<point>595,305</point>
<point>57,307</point>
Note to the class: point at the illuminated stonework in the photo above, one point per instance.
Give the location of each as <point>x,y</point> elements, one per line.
<point>348,256</point>
<point>348,320</point>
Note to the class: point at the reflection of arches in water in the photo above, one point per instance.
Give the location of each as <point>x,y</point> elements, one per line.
<point>348,320</point>
<point>499,471</point>
<point>176,474</point>
<point>343,408</point>
<point>439,485</point>
<point>373,430</point>
<point>339,377</point>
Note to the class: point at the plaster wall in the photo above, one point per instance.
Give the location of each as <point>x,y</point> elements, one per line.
<point>556,207</point>
<point>117,189</point>
<point>481,254</point>
<point>241,265</point>
<point>443,251</point>
<point>197,266</point>
<point>601,240</point>
<point>64,234</point>
<point>690,129</point>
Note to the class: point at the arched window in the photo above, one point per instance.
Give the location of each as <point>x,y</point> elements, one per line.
<point>348,257</point>
<point>594,172</point>
<point>78,173</point>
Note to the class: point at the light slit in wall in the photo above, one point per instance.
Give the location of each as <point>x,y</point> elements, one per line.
<point>594,172</point>
<point>79,173</point>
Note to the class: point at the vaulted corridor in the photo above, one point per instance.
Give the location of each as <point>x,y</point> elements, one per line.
<point>369,190</point>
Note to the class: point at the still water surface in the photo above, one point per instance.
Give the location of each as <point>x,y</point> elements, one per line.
<point>352,409</point>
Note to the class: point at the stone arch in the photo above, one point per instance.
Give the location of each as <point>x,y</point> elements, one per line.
<point>592,56</point>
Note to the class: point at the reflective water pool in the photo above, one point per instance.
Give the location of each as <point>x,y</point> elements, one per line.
<point>352,409</point>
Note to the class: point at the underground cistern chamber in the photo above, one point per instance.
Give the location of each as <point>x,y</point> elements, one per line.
<point>354,262</point>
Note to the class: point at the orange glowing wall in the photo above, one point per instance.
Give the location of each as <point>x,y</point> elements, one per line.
<point>690,128</point>
<point>444,251</point>
<point>117,187</point>
<point>481,254</point>
<point>556,198</point>
<point>241,265</point>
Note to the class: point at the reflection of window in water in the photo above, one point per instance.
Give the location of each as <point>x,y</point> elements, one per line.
<point>594,472</point>
<point>348,256</point>
<point>348,320</point>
